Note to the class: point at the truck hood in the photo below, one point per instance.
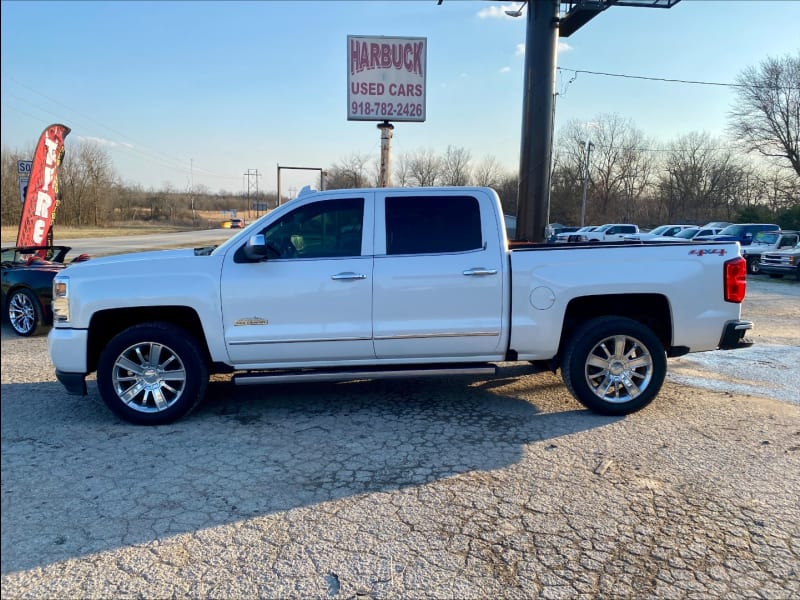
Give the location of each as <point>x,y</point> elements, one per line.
<point>155,255</point>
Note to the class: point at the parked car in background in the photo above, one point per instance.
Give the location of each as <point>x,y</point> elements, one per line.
<point>767,241</point>
<point>610,232</point>
<point>743,232</point>
<point>695,234</point>
<point>511,226</point>
<point>660,231</point>
<point>566,236</point>
<point>562,231</point>
<point>781,262</point>
<point>717,224</point>
<point>707,232</point>
<point>27,284</point>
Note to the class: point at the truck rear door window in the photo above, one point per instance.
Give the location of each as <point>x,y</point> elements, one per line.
<point>432,224</point>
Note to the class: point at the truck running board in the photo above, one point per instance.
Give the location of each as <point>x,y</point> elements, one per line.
<point>293,376</point>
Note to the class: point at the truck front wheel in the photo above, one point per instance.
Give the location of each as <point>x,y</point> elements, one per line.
<point>152,374</point>
<point>614,365</point>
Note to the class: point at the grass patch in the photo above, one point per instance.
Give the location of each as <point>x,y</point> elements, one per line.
<point>8,234</point>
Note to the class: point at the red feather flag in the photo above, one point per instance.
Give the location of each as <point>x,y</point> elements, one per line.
<point>42,195</point>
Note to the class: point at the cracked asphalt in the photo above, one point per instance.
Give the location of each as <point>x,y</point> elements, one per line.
<point>435,488</point>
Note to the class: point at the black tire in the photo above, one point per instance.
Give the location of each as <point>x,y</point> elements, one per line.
<point>753,266</point>
<point>24,312</point>
<point>614,365</point>
<point>160,393</point>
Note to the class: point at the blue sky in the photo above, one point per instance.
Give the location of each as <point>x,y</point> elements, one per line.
<point>181,92</point>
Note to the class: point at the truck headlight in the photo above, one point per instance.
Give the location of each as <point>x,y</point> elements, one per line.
<point>60,299</point>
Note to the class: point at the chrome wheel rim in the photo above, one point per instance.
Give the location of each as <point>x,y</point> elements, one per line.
<point>149,377</point>
<point>619,369</point>
<point>21,313</point>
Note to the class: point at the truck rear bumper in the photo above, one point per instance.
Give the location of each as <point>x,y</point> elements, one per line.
<point>75,383</point>
<point>733,336</point>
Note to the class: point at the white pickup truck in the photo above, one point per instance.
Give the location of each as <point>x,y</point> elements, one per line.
<point>374,283</point>
<point>610,232</point>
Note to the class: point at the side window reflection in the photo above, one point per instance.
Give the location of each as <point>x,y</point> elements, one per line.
<point>327,229</point>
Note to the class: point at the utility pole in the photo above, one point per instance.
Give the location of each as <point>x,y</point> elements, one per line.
<point>385,175</point>
<point>587,151</point>
<point>533,198</point>
<point>191,190</point>
<point>252,174</point>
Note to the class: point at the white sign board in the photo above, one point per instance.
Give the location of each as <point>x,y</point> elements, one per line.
<point>24,167</point>
<point>386,78</point>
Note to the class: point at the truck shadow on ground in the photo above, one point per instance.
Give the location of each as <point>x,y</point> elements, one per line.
<point>79,481</point>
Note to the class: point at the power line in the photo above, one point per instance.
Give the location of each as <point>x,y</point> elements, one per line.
<point>668,80</point>
<point>130,145</point>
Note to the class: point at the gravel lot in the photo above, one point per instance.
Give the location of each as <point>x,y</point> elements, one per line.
<point>421,488</point>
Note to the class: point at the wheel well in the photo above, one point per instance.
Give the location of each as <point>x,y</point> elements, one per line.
<point>651,310</point>
<point>108,323</point>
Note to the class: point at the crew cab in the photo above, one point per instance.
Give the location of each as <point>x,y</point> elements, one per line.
<point>373,283</point>
<point>610,232</point>
<point>743,232</point>
<point>659,232</point>
<point>781,262</point>
<point>764,242</point>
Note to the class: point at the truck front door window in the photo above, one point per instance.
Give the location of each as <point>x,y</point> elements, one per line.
<point>319,230</point>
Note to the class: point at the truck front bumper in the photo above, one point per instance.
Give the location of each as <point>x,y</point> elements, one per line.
<point>74,383</point>
<point>67,348</point>
<point>733,336</point>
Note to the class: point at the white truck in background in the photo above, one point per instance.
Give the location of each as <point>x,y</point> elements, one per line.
<point>373,283</point>
<point>610,232</point>
<point>765,242</point>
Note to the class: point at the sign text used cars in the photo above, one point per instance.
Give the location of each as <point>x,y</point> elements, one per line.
<point>386,78</point>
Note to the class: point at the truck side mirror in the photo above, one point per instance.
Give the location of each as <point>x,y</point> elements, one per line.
<point>257,248</point>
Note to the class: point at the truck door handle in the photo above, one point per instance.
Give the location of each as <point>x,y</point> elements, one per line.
<point>348,275</point>
<point>479,271</point>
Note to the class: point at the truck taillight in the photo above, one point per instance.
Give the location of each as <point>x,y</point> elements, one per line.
<point>735,279</point>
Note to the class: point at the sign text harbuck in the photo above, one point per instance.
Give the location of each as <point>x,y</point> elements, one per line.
<point>386,78</point>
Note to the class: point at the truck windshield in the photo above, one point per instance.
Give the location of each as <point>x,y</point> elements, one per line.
<point>765,238</point>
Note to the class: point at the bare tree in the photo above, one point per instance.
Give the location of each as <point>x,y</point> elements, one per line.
<point>620,168</point>
<point>700,180</point>
<point>350,173</point>
<point>85,180</point>
<point>11,206</point>
<point>488,172</point>
<point>401,171</point>
<point>766,113</point>
<point>425,168</point>
<point>455,166</point>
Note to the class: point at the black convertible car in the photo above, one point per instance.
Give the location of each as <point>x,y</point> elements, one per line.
<point>27,286</point>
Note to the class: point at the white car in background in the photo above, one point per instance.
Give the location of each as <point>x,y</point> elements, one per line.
<point>610,232</point>
<point>659,232</point>
<point>696,234</point>
<point>563,238</point>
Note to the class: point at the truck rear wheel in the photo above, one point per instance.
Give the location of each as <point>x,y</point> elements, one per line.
<point>152,374</point>
<point>614,365</point>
